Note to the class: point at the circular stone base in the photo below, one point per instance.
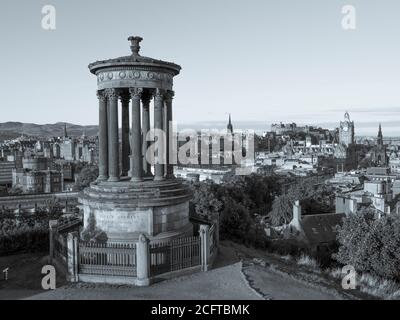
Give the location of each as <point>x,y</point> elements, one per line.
<point>123,210</point>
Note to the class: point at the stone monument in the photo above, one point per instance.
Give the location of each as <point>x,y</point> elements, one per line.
<point>133,196</point>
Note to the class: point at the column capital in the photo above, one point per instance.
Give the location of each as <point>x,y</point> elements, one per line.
<point>124,97</point>
<point>135,93</point>
<point>159,94</point>
<point>169,95</point>
<point>146,97</point>
<point>101,95</point>
<point>111,93</point>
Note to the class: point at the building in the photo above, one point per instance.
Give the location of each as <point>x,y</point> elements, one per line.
<point>283,128</point>
<point>346,131</point>
<point>347,180</point>
<point>6,169</point>
<point>317,232</point>
<point>394,165</point>
<point>381,174</point>
<point>379,153</point>
<point>376,194</point>
<point>37,177</point>
<point>345,151</point>
<point>202,174</point>
<point>67,149</point>
<point>396,188</point>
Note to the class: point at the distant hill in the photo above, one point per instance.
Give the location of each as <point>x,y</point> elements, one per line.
<point>10,130</point>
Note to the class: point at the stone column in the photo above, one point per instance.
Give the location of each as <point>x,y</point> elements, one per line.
<point>143,261</point>
<point>136,156</point>
<point>158,126</point>
<point>103,137</point>
<point>168,134</point>
<point>205,246</point>
<point>113,139</point>
<point>72,259</point>
<point>52,231</point>
<point>145,129</point>
<point>126,149</point>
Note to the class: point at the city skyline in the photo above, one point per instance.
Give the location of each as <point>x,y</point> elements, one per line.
<point>362,129</point>
<point>279,62</point>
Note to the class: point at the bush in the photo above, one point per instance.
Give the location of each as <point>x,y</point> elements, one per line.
<point>33,240</point>
<point>371,245</point>
<point>25,233</point>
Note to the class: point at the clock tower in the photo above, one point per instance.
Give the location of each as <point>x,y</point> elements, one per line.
<point>346,131</point>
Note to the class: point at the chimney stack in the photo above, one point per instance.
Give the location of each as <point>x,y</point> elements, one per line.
<point>295,223</point>
<point>297,211</point>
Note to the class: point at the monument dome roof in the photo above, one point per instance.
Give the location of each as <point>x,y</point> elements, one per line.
<point>134,60</point>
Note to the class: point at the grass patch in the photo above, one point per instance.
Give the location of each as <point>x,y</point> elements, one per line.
<point>287,257</point>
<point>307,261</point>
<point>371,285</point>
<point>335,273</point>
<point>378,287</point>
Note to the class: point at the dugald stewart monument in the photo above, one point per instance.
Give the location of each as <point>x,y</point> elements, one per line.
<point>136,214</point>
<point>128,199</point>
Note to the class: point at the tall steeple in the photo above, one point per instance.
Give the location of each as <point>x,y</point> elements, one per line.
<point>229,126</point>
<point>380,136</point>
<point>65,130</point>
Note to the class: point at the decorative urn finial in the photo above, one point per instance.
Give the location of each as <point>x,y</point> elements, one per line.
<point>135,47</point>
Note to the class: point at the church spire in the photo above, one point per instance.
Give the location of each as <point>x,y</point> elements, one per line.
<point>229,126</point>
<point>65,130</point>
<point>380,135</point>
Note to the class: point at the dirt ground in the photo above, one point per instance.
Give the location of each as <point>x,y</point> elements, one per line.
<point>24,275</point>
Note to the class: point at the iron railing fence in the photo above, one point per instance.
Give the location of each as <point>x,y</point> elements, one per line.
<point>175,255</point>
<point>111,259</point>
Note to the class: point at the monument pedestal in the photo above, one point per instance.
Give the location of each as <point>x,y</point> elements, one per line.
<point>124,210</point>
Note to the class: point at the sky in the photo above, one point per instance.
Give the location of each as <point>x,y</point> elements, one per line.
<point>260,60</point>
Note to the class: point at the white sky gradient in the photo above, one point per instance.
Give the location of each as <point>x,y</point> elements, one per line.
<point>261,60</point>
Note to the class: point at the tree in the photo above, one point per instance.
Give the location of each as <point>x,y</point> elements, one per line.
<point>281,210</point>
<point>370,245</point>
<point>235,221</point>
<point>314,197</point>
<point>86,176</point>
<point>92,233</point>
<point>15,190</point>
<point>51,208</point>
<point>206,204</point>
<point>238,202</point>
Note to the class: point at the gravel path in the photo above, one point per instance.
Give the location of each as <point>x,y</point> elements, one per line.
<point>275,286</point>
<point>222,283</point>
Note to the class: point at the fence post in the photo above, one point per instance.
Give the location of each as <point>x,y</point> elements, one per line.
<point>52,227</point>
<point>143,261</point>
<point>72,259</point>
<point>216,235</point>
<point>205,246</point>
